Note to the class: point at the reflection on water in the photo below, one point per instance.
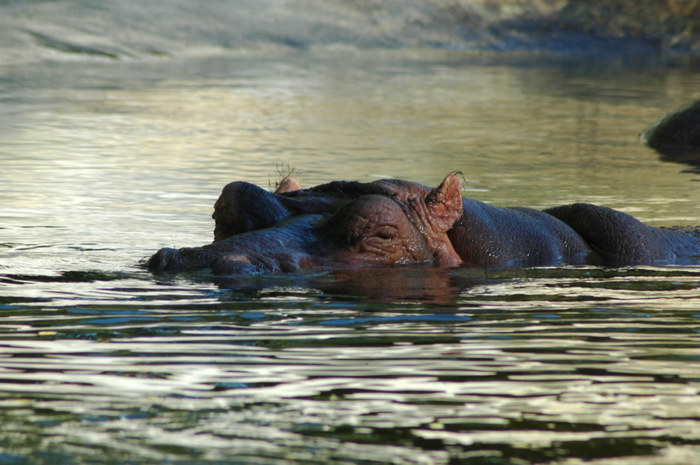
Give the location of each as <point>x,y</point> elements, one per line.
<point>101,362</point>
<point>541,364</point>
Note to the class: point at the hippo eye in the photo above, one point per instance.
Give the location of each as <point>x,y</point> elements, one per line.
<point>385,233</point>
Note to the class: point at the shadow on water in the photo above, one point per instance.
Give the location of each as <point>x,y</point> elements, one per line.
<point>684,157</point>
<point>409,283</point>
<point>404,284</point>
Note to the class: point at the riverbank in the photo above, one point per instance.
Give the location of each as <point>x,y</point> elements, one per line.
<point>129,29</point>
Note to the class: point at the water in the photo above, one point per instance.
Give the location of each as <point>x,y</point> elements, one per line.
<point>104,160</point>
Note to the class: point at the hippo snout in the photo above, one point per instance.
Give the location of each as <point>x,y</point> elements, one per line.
<point>165,260</point>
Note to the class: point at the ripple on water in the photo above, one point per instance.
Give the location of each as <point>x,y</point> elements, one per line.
<point>180,370</point>
<point>102,362</point>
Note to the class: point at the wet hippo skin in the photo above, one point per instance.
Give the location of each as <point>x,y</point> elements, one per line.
<point>350,225</point>
<point>273,233</point>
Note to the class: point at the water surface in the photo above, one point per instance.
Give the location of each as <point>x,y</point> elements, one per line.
<point>105,161</point>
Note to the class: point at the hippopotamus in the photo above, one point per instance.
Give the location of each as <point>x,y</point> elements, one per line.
<point>350,224</point>
<point>676,136</point>
<point>321,233</point>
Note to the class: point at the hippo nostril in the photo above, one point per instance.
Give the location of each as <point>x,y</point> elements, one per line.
<point>165,259</point>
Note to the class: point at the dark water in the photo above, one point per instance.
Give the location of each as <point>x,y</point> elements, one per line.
<point>104,160</point>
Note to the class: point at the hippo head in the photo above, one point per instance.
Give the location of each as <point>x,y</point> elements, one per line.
<point>379,229</point>
<point>365,231</point>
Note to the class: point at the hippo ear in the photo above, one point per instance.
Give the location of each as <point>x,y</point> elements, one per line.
<point>444,203</point>
<point>435,214</point>
<point>287,184</point>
